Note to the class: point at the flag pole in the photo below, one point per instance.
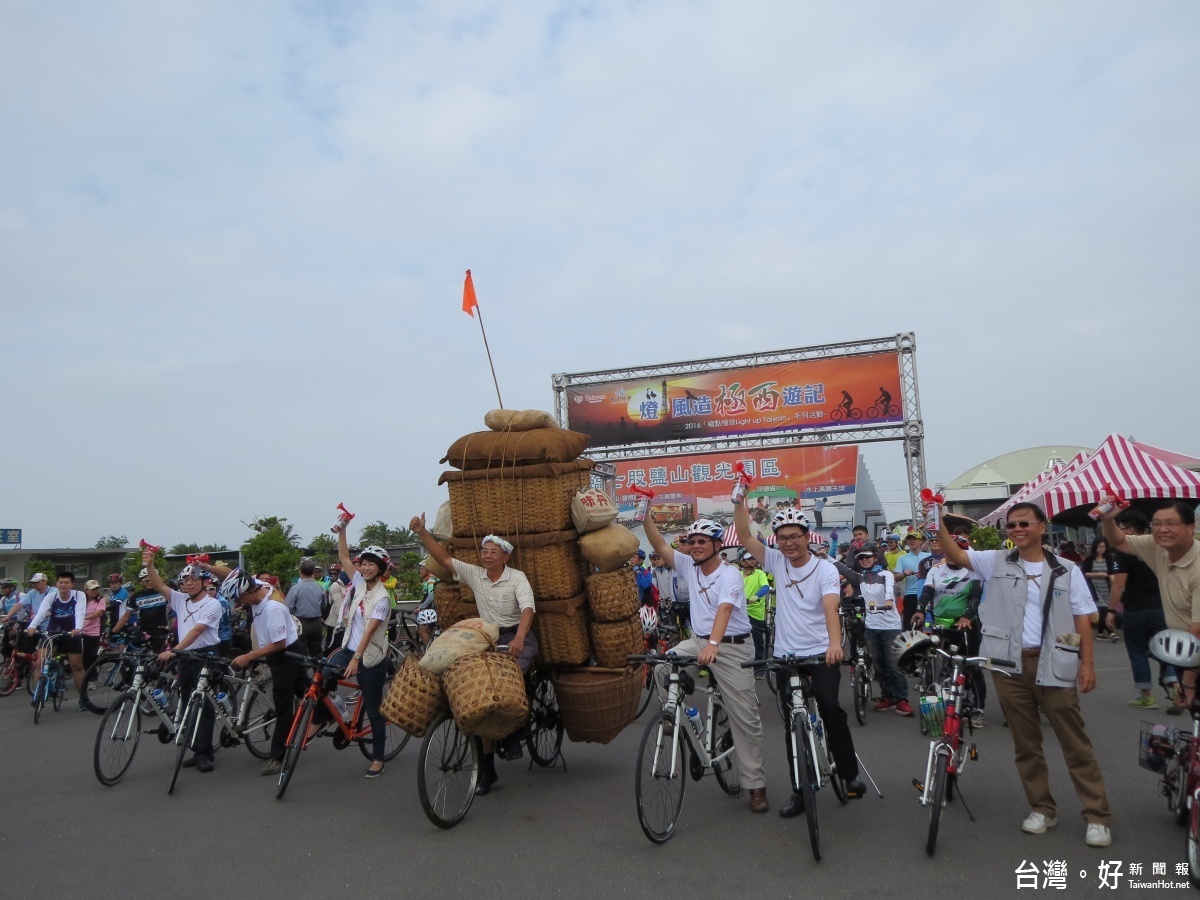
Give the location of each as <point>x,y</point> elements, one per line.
<point>491,365</point>
<point>470,307</point>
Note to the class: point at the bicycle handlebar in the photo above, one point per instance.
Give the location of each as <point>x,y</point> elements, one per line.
<point>785,662</point>
<point>208,658</point>
<point>672,659</point>
<point>985,662</point>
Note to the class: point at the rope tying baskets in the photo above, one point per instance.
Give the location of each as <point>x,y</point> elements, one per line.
<point>414,698</point>
<point>597,703</point>
<point>613,597</point>
<point>487,695</point>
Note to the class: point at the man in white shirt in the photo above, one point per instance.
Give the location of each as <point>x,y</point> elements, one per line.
<point>62,610</point>
<point>197,617</point>
<point>721,640</point>
<point>807,592</point>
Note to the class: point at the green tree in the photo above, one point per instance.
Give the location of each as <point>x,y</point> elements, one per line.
<point>408,578</point>
<point>273,550</point>
<point>323,549</point>
<point>182,549</point>
<point>133,564</point>
<point>47,568</point>
<point>985,537</point>
<point>112,542</point>
<point>383,535</point>
<point>263,524</point>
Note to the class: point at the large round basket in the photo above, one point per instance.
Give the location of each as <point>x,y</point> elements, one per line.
<point>450,606</point>
<point>562,632</point>
<point>597,703</point>
<point>414,698</point>
<point>487,695</point>
<point>612,642</point>
<point>513,500</point>
<point>613,597</point>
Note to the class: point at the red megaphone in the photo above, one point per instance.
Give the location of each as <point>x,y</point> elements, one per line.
<point>151,547</point>
<point>202,558</point>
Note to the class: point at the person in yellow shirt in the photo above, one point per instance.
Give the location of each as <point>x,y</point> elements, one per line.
<point>892,552</point>
<point>758,590</point>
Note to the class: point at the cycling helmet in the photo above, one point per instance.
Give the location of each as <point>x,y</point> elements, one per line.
<point>8,582</point>
<point>790,516</point>
<point>427,617</point>
<point>143,575</point>
<point>377,555</point>
<point>238,582</point>
<point>115,576</point>
<point>706,528</point>
<point>1176,647</point>
<point>868,550</point>
<point>893,537</point>
<point>194,572</point>
<point>334,569</point>
<point>649,617</point>
<point>910,648</point>
<point>962,541</point>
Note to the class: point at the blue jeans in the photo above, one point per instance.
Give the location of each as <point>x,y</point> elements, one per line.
<point>1140,626</point>
<point>892,682</point>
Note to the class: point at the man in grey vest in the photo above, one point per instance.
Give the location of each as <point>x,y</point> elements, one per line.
<point>1035,613</point>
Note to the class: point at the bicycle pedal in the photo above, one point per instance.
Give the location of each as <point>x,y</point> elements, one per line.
<point>973,753</point>
<point>917,784</point>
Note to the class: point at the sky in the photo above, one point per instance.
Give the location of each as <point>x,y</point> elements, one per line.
<point>233,236</point>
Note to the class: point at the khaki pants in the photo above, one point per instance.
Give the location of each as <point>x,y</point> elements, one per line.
<point>1020,699</point>
<point>741,703</point>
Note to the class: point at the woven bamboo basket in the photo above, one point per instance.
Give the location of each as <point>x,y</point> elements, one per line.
<point>414,698</point>
<point>613,597</point>
<point>550,562</point>
<point>613,641</point>
<point>450,606</point>
<point>515,499</point>
<point>609,548</point>
<point>597,703</point>
<point>562,632</point>
<point>487,695</point>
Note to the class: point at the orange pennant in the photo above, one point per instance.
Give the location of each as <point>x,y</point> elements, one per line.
<point>469,301</point>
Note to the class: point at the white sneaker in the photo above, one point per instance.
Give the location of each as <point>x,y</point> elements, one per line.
<point>1098,835</point>
<point>1036,823</point>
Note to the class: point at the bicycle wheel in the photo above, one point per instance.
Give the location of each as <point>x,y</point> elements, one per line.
<point>1193,843</point>
<point>58,689</point>
<point>447,770</point>
<point>31,677</point>
<point>291,754</point>
<point>185,737</point>
<point>8,677</point>
<point>855,413</point>
<point>1176,788</point>
<point>660,787</point>
<point>397,737</point>
<point>258,723</point>
<point>937,800</point>
<point>925,688</point>
<point>39,697</point>
<point>647,688</point>
<point>725,770</point>
<point>545,725</point>
<point>117,739</point>
<point>808,790</point>
<point>860,688</point>
<point>103,682</point>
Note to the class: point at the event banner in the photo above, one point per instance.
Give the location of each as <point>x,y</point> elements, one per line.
<point>815,393</point>
<point>688,487</point>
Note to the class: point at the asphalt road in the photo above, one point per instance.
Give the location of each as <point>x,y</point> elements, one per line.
<point>550,833</point>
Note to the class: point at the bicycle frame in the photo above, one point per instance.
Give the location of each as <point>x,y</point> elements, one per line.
<point>806,718</point>
<point>349,731</point>
<point>701,744</point>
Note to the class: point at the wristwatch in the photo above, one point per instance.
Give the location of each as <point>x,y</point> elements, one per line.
<point>714,643</point>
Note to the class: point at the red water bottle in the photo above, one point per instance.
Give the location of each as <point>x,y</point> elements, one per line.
<point>344,517</point>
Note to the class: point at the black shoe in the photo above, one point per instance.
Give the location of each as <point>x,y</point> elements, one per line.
<point>794,806</point>
<point>190,762</point>
<point>204,763</point>
<point>510,749</point>
<point>486,780</point>
<point>854,788</point>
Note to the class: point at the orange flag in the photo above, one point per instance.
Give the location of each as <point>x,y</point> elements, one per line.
<point>469,301</point>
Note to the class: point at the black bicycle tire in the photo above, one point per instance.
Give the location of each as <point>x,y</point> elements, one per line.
<point>98,665</point>
<point>397,738</point>
<point>114,711</point>
<point>293,748</point>
<point>808,792</point>
<point>649,742</point>
<point>182,742</point>
<point>60,691</point>
<point>937,800</point>
<point>31,677</point>
<point>1177,792</point>
<point>544,719</point>
<point>460,747</point>
<point>39,699</point>
<point>9,669</point>
<point>861,688</point>
<point>647,689</point>
<point>1192,843</point>
<point>258,739</point>
<point>722,741</point>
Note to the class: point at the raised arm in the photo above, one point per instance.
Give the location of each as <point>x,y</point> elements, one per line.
<point>344,556</point>
<point>741,521</point>
<point>657,541</point>
<point>155,579</point>
<point>417,527</point>
<point>955,555</point>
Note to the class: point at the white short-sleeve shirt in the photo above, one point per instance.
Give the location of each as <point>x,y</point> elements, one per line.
<point>189,613</point>
<point>800,626</point>
<point>707,592</point>
<point>272,623</point>
<point>983,564</point>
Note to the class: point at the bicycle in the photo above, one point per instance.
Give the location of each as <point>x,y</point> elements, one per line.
<point>18,666</point>
<point>945,719</point>
<point>838,413</point>
<point>932,674</point>
<point>251,724</point>
<point>858,656</point>
<point>346,726</point>
<point>806,739</point>
<point>448,761</point>
<point>657,643</point>
<point>52,682</point>
<point>150,693</point>
<point>878,410</point>
<point>661,777</point>
<point>106,678</point>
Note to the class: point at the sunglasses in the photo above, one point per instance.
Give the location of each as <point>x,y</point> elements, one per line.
<point>1024,523</point>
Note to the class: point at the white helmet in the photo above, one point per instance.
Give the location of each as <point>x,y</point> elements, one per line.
<point>144,574</point>
<point>790,516</point>
<point>706,528</point>
<point>427,617</point>
<point>1176,647</point>
<point>193,571</point>
<point>378,554</point>
<point>649,617</point>
<point>910,648</point>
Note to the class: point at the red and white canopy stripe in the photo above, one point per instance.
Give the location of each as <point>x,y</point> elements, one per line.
<point>1032,492</point>
<point>730,537</point>
<point>1135,474</point>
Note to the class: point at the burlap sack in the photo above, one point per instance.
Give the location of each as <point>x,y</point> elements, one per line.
<point>440,572</point>
<point>466,638</point>
<point>592,510</point>
<point>609,548</point>
<point>443,525</point>
<point>518,420</point>
<point>487,449</point>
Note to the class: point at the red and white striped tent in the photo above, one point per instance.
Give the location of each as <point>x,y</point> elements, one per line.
<point>1034,489</point>
<point>730,537</point>
<point>1135,473</point>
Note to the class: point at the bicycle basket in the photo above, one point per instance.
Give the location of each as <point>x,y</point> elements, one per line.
<point>1156,745</point>
<point>933,714</point>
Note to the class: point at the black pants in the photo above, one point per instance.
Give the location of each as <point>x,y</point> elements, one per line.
<point>189,675</point>
<point>287,683</point>
<point>825,682</point>
<point>312,637</point>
